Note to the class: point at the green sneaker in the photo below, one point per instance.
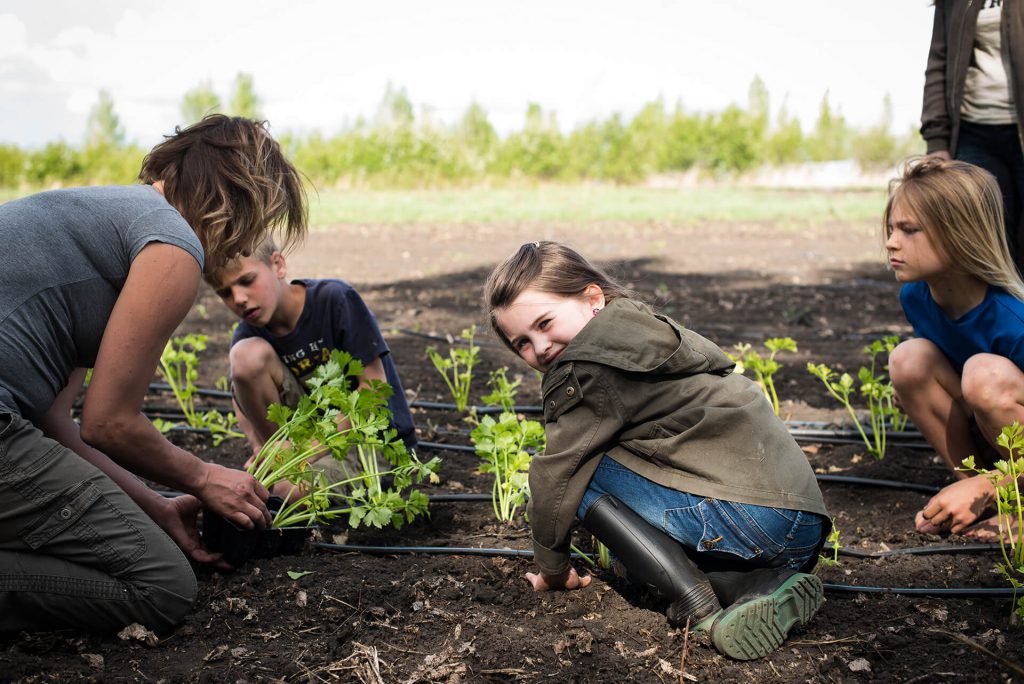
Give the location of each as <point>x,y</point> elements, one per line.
<point>759,622</point>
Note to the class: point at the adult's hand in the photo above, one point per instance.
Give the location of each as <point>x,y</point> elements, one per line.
<point>956,506</point>
<point>178,520</point>
<point>567,580</point>
<point>236,495</point>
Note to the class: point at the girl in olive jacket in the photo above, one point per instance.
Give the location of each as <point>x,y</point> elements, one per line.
<point>677,464</point>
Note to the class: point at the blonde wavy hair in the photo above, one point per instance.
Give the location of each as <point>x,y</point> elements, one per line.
<point>231,182</point>
<point>960,206</point>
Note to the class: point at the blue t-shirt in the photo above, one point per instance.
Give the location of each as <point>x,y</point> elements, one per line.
<point>996,326</point>
<point>334,316</point>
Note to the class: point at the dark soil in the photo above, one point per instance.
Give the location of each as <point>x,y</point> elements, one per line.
<point>442,618</point>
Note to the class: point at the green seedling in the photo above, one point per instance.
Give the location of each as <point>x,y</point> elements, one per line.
<point>834,545</point>
<point>503,392</point>
<point>179,364</point>
<point>897,419</point>
<point>841,387</point>
<point>876,387</point>
<point>298,574</point>
<point>457,369</point>
<point>1005,477</point>
<point>763,368</point>
<point>314,427</point>
<point>506,446</point>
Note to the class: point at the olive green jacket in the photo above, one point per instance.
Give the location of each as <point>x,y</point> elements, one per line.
<point>663,402</point>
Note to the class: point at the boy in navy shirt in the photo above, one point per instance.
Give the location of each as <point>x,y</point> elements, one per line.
<point>287,329</point>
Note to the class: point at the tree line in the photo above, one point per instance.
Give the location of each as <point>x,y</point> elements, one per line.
<point>395,147</point>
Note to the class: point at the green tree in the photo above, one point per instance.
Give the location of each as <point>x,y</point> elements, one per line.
<point>244,100</point>
<point>395,109</point>
<point>758,106</point>
<point>103,128</point>
<point>198,102</point>
<point>785,142</point>
<point>877,146</point>
<point>12,166</point>
<point>830,138</point>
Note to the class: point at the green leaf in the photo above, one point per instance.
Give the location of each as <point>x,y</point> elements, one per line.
<point>297,574</point>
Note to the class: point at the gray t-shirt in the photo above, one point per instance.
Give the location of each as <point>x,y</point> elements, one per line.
<point>66,258</point>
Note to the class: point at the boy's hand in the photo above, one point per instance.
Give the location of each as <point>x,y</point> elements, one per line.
<point>956,506</point>
<point>567,580</point>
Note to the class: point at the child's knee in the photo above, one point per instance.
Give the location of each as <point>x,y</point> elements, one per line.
<point>989,383</point>
<point>912,363</point>
<point>251,358</point>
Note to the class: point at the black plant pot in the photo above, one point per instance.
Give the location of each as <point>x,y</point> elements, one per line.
<point>237,545</point>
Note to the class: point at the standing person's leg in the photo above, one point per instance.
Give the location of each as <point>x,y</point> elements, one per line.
<point>75,550</point>
<point>997,149</point>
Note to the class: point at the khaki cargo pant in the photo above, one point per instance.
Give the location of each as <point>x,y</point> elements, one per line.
<point>75,550</point>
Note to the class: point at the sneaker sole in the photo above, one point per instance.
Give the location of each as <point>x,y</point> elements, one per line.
<point>758,627</point>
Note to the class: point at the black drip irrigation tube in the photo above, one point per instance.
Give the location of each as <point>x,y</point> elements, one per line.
<point>956,592</point>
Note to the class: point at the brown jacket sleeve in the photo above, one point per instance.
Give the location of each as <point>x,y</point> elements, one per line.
<point>936,127</point>
<point>582,418</point>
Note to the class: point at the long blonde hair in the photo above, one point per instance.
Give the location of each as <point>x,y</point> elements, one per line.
<point>549,267</point>
<point>960,206</point>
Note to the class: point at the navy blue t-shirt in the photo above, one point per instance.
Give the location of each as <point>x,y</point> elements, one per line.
<point>335,317</point>
<point>996,326</point>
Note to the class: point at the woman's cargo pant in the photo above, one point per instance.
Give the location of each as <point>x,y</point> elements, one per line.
<point>75,550</point>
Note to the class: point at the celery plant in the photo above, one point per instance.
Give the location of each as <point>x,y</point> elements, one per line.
<point>178,367</point>
<point>313,426</point>
<point>1005,477</point>
<point>505,445</point>
<point>457,369</point>
<point>764,368</point>
<point>841,388</point>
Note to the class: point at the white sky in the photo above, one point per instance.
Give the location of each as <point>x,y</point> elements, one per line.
<point>318,64</point>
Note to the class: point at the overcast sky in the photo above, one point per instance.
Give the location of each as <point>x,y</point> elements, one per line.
<point>318,64</point>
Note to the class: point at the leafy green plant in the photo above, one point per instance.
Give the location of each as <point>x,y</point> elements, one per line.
<point>764,369</point>
<point>1005,477</point>
<point>503,392</point>
<point>835,546</point>
<point>373,496</point>
<point>876,387</point>
<point>506,446</point>
<point>885,395</point>
<point>841,387</point>
<point>457,369</point>
<point>179,364</point>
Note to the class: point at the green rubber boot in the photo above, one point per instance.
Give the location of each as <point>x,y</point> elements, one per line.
<point>774,602</point>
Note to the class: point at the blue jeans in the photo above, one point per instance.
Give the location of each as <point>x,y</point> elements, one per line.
<point>997,149</point>
<point>725,534</point>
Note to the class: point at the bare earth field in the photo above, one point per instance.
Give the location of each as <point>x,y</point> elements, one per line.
<point>466,618</point>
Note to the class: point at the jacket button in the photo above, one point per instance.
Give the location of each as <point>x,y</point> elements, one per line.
<point>65,513</point>
<point>551,405</point>
<point>569,391</point>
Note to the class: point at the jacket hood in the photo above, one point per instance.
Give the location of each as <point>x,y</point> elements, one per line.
<point>609,339</point>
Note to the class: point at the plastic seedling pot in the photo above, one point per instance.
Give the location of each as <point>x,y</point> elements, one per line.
<point>237,545</point>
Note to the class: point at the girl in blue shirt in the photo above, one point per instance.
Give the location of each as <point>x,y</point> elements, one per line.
<point>960,378</point>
